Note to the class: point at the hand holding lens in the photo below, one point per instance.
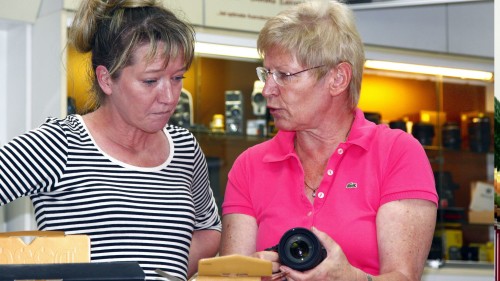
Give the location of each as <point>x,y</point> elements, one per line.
<point>300,249</point>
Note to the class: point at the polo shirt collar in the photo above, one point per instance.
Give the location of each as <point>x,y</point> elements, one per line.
<point>281,146</point>
<point>362,130</point>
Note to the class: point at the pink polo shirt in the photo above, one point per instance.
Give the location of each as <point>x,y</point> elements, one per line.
<point>375,166</point>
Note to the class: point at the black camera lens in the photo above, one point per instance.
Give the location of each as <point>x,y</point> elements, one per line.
<point>300,249</point>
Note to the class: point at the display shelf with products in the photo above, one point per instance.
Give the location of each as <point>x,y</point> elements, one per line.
<point>446,107</point>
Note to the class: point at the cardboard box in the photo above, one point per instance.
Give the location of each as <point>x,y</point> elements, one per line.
<point>481,217</point>
<point>233,267</point>
<point>47,247</point>
<point>481,209</point>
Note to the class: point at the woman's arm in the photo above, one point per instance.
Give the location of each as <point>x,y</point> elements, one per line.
<point>405,229</point>
<point>204,244</point>
<point>239,235</point>
<point>33,162</point>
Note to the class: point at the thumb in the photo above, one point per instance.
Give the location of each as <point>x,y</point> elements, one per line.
<point>325,240</point>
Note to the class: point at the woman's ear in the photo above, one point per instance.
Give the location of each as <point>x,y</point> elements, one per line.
<point>104,79</point>
<point>341,77</point>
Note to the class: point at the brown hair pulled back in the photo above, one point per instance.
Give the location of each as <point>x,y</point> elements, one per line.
<point>112,30</point>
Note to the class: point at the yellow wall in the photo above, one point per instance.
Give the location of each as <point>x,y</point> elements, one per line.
<point>397,98</point>
<point>78,78</point>
<point>208,79</point>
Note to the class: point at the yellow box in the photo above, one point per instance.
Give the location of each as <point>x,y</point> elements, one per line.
<point>46,247</point>
<point>451,238</point>
<point>233,267</point>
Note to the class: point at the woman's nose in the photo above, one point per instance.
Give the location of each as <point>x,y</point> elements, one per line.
<point>166,94</point>
<point>270,87</point>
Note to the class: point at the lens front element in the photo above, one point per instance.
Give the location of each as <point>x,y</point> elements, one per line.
<point>300,249</point>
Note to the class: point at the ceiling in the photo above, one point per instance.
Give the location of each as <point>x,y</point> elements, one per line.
<point>8,24</point>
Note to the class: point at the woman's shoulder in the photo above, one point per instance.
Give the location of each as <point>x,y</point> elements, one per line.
<point>177,132</point>
<point>391,138</point>
<point>181,137</point>
<point>70,124</point>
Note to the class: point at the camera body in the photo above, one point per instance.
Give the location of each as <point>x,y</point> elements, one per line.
<point>258,100</point>
<point>300,249</point>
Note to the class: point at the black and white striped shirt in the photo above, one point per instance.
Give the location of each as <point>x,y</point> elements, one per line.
<point>130,213</point>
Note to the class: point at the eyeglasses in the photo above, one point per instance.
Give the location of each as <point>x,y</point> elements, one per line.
<point>281,78</point>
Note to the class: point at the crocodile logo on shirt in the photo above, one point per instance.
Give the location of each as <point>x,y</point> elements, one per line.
<point>351,185</point>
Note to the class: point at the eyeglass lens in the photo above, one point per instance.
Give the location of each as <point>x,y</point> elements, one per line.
<point>262,73</point>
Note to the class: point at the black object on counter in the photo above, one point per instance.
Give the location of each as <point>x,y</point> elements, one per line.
<point>451,215</point>
<point>470,253</point>
<point>423,132</point>
<point>445,188</point>
<point>375,117</point>
<point>436,251</point>
<point>479,134</point>
<point>452,138</point>
<point>123,271</point>
<point>398,124</point>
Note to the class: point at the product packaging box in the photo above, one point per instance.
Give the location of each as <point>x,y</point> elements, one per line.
<point>481,217</point>
<point>481,209</point>
<point>45,247</point>
<point>233,267</point>
<point>52,255</point>
<point>452,241</point>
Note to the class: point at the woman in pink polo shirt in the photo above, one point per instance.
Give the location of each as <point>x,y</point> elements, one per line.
<point>365,190</point>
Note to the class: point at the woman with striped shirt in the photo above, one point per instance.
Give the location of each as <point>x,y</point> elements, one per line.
<point>137,186</point>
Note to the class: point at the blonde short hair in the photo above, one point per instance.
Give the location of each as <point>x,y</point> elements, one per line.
<point>318,33</point>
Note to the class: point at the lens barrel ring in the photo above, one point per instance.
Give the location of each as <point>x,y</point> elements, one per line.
<point>300,249</point>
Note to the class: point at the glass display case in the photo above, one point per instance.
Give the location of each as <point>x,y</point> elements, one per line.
<point>452,118</point>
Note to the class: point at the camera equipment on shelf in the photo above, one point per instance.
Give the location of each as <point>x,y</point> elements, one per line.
<point>258,100</point>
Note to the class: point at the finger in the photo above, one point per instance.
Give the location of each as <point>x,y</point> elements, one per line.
<point>291,274</point>
<point>266,255</point>
<point>276,267</point>
<point>278,276</point>
<point>273,257</point>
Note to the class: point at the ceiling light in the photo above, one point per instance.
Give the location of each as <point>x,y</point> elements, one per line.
<point>430,70</point>
<point>212,49</point>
